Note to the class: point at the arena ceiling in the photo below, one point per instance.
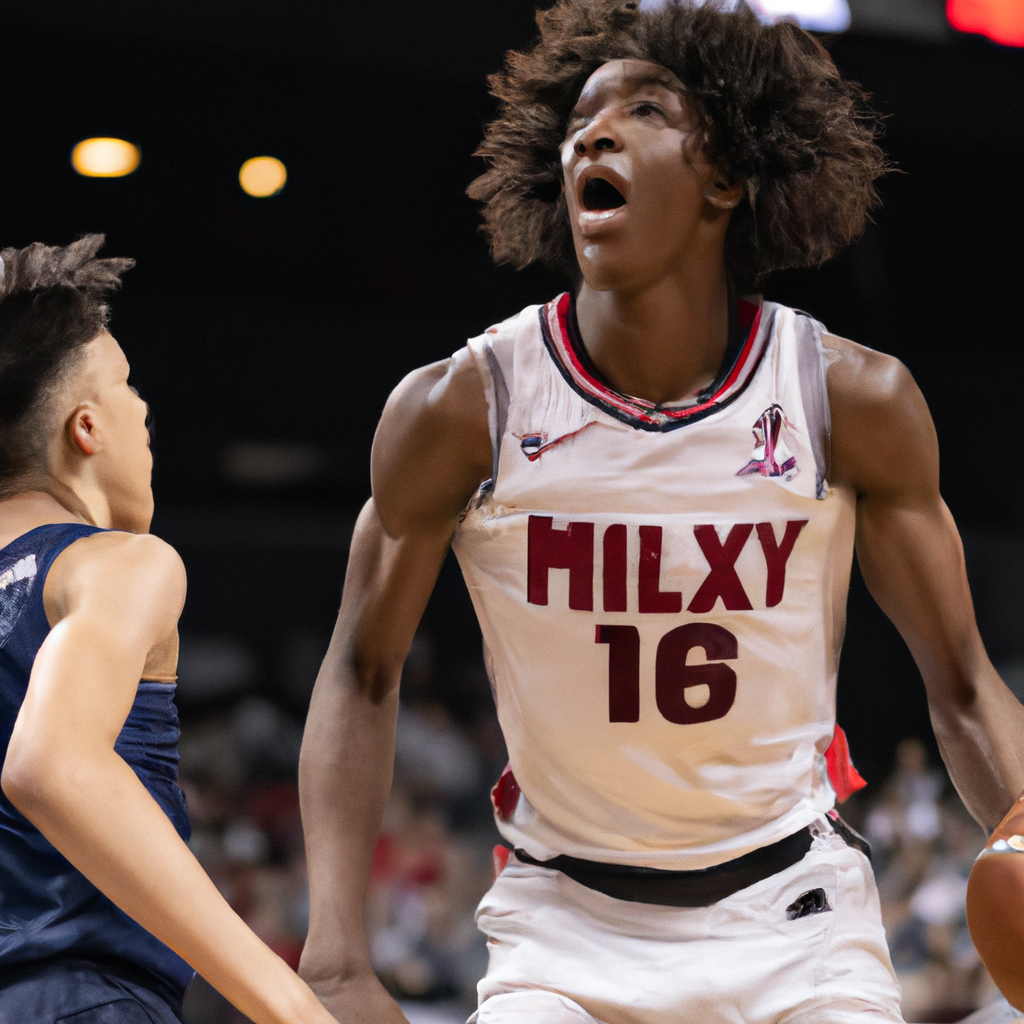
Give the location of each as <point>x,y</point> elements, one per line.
<point>460,38</point>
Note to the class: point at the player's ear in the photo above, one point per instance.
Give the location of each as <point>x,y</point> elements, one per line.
<point>81,429</point>
<point>723,193</point>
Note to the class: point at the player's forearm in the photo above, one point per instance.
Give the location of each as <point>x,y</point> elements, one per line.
<point>345,773</point>
<point>348,748</point>
<point>95,811</point>
<point>913,564</point>
<point>979,725</point>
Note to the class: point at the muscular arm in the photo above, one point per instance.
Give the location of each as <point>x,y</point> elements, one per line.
<point>884,447</point>
<point>430,454</point>
<point>113,598</point>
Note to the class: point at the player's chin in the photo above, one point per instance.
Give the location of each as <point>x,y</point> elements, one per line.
<point>610,263</point>
<point>995,916</point>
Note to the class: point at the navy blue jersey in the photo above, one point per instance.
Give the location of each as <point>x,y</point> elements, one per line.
<point>49,909</point>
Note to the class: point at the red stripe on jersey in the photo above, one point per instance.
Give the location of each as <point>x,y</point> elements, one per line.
<point>845,779</point>
<point>557,314</point>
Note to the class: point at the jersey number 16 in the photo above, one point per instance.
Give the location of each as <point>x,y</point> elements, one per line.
<point>672,676</point>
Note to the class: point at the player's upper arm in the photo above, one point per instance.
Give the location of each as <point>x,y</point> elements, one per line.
<point>883,439</point>
<point>908,549</point>
<point>432,449</point>
<point>111,598</point>
<point>431,452</point>
<point>128,585</point>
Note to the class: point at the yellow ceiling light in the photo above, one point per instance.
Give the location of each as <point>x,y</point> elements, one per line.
<point>262,176</point>
<point>105,158</point>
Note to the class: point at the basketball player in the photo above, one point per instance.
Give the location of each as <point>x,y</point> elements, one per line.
<point>654,485</point>
<point>104,912</point>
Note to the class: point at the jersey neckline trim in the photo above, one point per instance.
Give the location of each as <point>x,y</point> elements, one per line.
<point>23,537</point>
<point>557,322</point>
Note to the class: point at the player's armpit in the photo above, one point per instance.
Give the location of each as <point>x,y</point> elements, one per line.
<point>432,449</point>
<point>910,554</point>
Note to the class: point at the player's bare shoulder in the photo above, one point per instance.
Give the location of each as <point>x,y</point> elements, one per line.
<point>883,438</point>
<point>432,448</point>
<point>138,573</point>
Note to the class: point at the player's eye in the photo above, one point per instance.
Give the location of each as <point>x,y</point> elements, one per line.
<point>574,124</point>
<point>646,109</point>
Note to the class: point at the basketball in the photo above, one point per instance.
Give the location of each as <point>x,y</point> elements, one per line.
<point>995,905</point>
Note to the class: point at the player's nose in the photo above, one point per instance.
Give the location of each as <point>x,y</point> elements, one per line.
<point>600,135</point>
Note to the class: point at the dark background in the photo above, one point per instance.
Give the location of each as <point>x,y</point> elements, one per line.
<point>267,333</point>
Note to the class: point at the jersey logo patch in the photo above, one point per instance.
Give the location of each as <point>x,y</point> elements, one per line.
<point>771,456</point>
<point>15,584</point>
<point>534,444</point>
<point>531,444</point>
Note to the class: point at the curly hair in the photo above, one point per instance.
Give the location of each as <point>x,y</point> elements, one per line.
<point>51,305</point>
<point>773,111</point>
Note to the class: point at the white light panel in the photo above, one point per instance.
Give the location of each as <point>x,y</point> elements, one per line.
<point>816,15</point>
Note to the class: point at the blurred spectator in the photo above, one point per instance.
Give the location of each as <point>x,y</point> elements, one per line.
<point>907,806</point>
<point>238,772</point>
<point>433,858</point>
<point>924,844</point>
<point>425,885</point>
<point>433,756</point>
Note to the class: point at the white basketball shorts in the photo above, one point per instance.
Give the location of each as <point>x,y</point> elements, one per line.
<point>561,953</point>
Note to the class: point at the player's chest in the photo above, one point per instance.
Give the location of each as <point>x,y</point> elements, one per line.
<point>740,460</point>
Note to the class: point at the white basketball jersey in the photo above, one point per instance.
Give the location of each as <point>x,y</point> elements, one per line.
<point>662,594</point>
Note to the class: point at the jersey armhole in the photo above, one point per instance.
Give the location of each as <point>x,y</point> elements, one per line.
<point>75,532</point>
<point>812,367</point>
<point>495,373</point>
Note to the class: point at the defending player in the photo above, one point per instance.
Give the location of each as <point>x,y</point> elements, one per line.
<point>654,487</point>
<point>102,906</point>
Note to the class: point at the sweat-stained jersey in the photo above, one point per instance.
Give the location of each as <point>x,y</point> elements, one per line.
<point>662,594</point>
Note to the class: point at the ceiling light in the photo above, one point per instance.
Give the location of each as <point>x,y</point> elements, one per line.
<point>105,158</point>
<point>262,176</point>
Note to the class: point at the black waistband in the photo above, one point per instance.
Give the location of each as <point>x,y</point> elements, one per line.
<point>681,888</point>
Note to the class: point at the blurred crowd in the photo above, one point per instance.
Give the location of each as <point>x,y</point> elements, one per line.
<point>923,846</point>
<point>433,860</point>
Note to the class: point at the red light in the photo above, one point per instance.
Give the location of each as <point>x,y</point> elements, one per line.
<point>1002,21</point>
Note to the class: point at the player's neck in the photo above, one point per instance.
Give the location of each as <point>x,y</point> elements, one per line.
<point>30,508</point>
<point>663,342</point>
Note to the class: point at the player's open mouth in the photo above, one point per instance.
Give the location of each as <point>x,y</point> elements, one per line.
<point>601,196</point>
<point>600,201</point>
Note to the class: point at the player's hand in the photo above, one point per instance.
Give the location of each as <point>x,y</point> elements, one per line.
<point>360,999</point>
